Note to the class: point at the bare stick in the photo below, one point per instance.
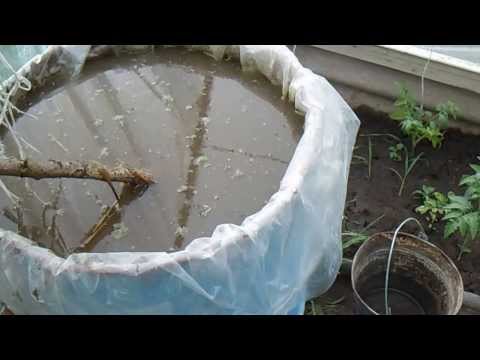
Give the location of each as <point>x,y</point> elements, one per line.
<point>73,169</point>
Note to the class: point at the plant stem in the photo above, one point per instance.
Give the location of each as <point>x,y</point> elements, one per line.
<point>408,167</point>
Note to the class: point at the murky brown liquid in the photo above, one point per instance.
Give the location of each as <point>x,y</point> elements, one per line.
<point>216,140</point>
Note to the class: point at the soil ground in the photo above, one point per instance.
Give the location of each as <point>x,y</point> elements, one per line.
<point>376,196</point>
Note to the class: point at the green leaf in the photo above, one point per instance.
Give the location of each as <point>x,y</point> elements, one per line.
<point>399,114</point>
<point>428,189</point>
<point>475,168</point>
<point>472,220</point>
<point>452,215</point>
<point>355,238</point>
<point>463,226</point>
<point>450,228</point>
<point>458,202</point>
<point>468,180</point>
<point>422,209</point>
<point>440,197</point>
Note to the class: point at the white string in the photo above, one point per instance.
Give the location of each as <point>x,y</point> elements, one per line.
<point>7,109</point>
<point>423,77</point>
<point>388,310</point>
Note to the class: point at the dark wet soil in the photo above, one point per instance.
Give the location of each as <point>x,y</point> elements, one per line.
<point>216,140</point>
<point>371,197</point>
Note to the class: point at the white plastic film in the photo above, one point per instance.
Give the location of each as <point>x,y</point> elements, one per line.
<point>272,263</point>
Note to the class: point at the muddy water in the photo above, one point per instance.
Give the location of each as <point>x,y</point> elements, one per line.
<point>217,142</point>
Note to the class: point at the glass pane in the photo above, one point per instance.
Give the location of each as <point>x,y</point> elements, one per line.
<point>469,53</point>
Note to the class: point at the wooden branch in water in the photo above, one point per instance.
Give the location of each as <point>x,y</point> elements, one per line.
<point>74,169</point>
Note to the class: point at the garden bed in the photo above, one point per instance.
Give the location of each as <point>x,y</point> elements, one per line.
<point>373,201</point>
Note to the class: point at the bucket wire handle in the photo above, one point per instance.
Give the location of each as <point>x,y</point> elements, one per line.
<point>388,311</point>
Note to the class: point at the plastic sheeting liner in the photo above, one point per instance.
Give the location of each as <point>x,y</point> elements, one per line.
<point>272,263</point>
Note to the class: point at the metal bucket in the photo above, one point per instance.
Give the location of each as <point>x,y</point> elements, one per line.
<point>421,280</point>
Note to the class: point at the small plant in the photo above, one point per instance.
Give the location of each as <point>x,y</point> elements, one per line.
<point>419,124</point>
<point>463,217</point>
<point>395,152</point>
<point>323,306</point>
<point>432,204</point>
<point>461,214</point>
<point>408,165</point>
<point>351,238</point>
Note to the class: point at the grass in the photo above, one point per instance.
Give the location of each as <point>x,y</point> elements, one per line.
<point>351,238</point>
<point>408,165</point>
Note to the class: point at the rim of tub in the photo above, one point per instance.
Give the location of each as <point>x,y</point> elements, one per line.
<point>56,60</point>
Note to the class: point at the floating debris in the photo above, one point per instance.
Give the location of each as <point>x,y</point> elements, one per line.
<point>188,107</point>
<point>205,120</point>
<point>238,173</point>
<point>182,189</point>
<point>216,197</point>
<point>60,120</point>
<point>199,160</point>
<point>104,153</point>
<point>55,140</point>
<point>205,210</point>
<point>118,117</point>
<point>119,231</point>
<point>167,98</point>
<point>181,231</point>
<point>98,122</point>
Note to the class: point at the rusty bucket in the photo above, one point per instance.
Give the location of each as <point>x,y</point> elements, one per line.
<point>419,277</point>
